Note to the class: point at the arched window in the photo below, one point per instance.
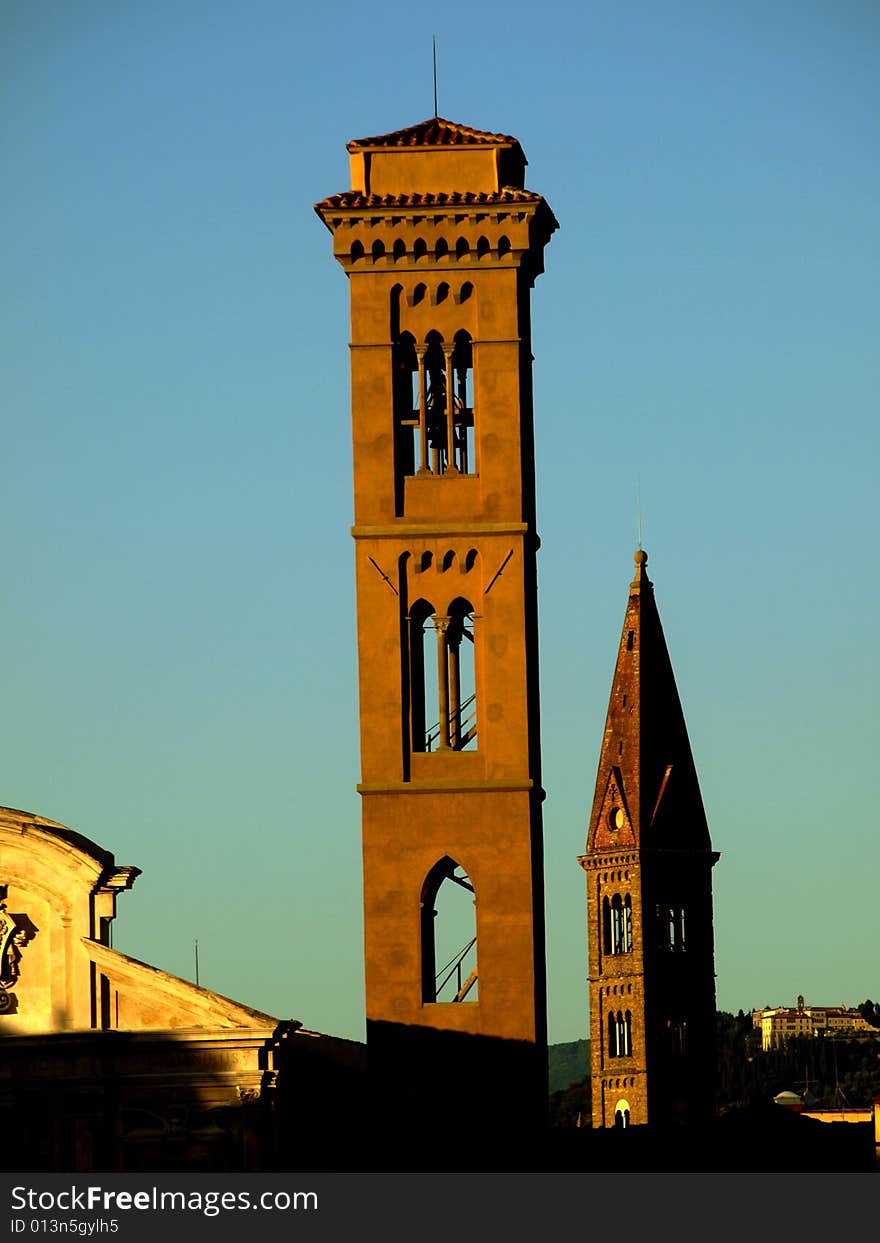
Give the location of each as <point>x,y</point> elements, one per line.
<point>441,248</point>
<point>671,928</point>
<point>357,251</point>
<point>442,293</point>
<point>619,1034</point>
<point>612,1035</point>
<point>621,1115</point>
<point>676,1037</point>
<point>483,247</point>
<point>617,924</point>
<point>462,248</point>
<point>465,292</point>
<point>398,250</point>
<point>503,246</point>
<point>420,248</point>
<point>443,710</point>
<point>378,250</point>
<point>449,935</point>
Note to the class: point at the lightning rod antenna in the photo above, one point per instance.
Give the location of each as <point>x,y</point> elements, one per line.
<point>197,962</point>
<point>639,509</point>
<point>434,47</point>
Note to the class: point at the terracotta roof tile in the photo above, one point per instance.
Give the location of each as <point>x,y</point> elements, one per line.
<point>354,198</point>
<point>435,132</point>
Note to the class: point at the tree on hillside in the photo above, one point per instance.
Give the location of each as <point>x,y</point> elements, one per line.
<point>870,1012</point>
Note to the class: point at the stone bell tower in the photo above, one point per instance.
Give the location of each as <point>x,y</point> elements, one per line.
<point>649,867</point>
<point>441,244</point>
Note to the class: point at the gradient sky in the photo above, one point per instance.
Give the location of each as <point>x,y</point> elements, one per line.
<point>179,665</point>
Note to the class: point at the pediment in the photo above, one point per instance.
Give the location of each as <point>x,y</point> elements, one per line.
<point>612,826</point>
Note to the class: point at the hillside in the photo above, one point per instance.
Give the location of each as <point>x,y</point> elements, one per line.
<point>568,1063</point>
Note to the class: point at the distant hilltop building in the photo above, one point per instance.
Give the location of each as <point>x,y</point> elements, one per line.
<point>779,1023</point>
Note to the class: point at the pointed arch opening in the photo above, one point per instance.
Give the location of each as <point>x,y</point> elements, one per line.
<point>449,935</point>
<point>622,1115</point>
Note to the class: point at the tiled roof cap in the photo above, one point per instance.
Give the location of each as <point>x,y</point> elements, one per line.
<point>435,132</point>
<point>354,198</point>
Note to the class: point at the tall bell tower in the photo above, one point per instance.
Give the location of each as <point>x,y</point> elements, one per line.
<point>649,867</point>
<point>441,244</point>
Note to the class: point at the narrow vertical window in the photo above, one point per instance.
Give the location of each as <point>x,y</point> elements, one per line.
<point>442,673</point>
<point>462,696</point>
<point>423,687</point>
<point>405,398</point>
<point>617,933</point>
<point>435,402</point>
<point>612,1035</point>
<point>463,413</point>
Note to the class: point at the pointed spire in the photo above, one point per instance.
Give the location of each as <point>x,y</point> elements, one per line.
<point>647,790</point>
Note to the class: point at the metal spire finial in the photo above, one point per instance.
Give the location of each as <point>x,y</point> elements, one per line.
<point>434,46</point>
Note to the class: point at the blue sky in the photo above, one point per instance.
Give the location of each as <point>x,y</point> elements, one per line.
<point>178,674</point>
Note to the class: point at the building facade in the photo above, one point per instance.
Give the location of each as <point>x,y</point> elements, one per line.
<point>109,1063</point>
<point>441,244</point>
<point>649,895</point>
<point>780,1023</point>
